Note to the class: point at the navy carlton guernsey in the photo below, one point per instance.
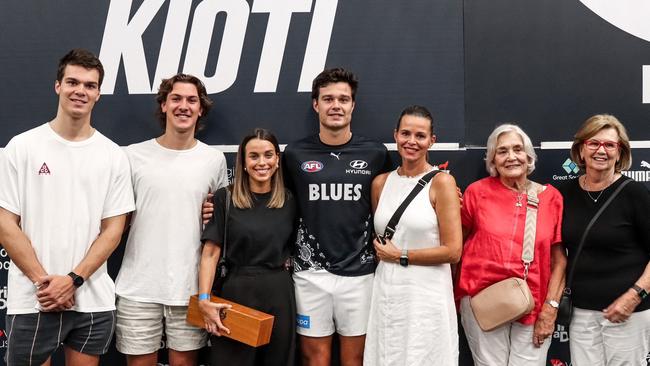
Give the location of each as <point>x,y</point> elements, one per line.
<point>332,184</point>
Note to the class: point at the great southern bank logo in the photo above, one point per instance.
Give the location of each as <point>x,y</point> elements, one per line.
<point>312,166</point>
<point>631,16</point>
<point>571,169</point>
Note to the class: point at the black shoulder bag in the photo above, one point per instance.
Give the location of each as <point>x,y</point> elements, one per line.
<point>389,231</point>
<point>565,310</point>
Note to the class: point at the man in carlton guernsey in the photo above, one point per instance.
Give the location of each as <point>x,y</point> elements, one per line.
<point>330,174</point>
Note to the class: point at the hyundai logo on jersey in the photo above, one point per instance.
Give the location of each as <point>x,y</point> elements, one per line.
<point>358,164</point>
<point>312,166</point>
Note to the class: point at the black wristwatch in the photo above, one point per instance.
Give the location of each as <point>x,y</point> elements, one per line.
<point>404,258</point>
<point>77,280</point>
<point>640,291</point>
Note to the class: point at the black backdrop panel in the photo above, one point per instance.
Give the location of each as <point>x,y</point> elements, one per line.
<point>402,53</point>
<point>546,65</point>
<point>549,65</point>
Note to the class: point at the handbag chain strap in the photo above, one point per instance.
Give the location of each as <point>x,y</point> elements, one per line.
<point>567,287</point>
<point>389,231</point>
<point>532,202</point>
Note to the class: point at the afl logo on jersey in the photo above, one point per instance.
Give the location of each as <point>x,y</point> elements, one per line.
<point>358,164</point>
<point>312,166</point>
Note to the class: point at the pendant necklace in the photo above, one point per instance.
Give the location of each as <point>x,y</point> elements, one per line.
<point>589,194</point>
<point>597,197</point>
<point>519,197</point>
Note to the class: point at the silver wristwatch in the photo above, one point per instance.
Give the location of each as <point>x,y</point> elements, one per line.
<point>404,258</point>
<point>554,304</point>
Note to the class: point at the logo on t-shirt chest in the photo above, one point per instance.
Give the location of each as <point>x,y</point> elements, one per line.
<point>312,166</point>
<point>44,170</point>
<point>358,167</point>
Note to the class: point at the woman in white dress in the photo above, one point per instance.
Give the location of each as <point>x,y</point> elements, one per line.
<point>413,316</point>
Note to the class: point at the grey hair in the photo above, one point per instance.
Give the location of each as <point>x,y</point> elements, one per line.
<point>492,147</point>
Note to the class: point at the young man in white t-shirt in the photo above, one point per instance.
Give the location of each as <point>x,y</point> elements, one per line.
<point>172,175</point>
<point>65,193</point>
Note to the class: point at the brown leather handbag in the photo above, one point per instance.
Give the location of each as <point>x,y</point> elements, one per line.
<point>510,299</point>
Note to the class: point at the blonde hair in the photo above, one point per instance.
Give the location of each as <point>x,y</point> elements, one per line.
<point>492,147</point>
<point>590,128</point>
<point>241,193</point>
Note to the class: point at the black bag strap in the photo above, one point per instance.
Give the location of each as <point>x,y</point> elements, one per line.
<point>389,231</point>
<point>225,224</point>
<point>567,287</point>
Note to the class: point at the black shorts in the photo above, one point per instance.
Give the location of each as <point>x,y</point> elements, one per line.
<point>32,338</point>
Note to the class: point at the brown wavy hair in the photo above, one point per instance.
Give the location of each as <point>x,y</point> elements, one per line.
<point>167,85</point>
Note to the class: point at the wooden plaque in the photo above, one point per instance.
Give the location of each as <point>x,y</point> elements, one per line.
<point>246,325</point>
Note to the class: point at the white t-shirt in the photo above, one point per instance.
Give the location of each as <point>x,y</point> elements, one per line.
<point>161,259</point>
<point>62,190</point>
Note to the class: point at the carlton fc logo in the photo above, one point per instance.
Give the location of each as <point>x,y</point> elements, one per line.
<point>358,164</point>
<point>312,166</point>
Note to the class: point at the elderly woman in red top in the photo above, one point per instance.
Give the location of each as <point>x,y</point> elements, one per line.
<point>493,217</point>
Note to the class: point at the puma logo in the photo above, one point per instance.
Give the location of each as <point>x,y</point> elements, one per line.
<point>645,164</point>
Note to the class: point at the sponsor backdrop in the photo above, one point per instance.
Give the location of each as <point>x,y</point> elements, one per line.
<point>545,65</point>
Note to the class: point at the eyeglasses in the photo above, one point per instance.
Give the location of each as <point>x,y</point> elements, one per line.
<point>595,145</point>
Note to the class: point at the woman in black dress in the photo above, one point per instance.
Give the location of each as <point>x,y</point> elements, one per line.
<point>261,232</point>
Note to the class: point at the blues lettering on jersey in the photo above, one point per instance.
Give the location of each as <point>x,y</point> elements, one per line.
<point>335,191</point>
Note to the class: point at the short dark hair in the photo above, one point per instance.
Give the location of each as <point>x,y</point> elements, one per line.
<point>83,58</point>
<point>416,111</point>
<point>330,76</point>
<point>166,87</point>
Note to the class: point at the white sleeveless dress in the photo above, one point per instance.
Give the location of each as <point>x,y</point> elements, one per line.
<point>412,314</point>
